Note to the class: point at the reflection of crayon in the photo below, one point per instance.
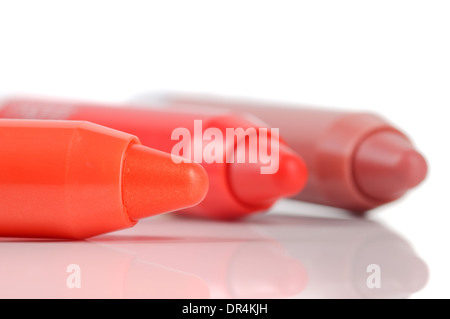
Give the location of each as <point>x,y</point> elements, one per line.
<point>87,270</point>
<point>232,259</point>
<point>70,179</point>
<point>349,258</point>
<point>276,256</point>
<point>356,161</point>
<point>237,188</point>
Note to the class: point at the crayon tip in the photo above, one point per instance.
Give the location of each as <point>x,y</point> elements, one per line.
<point>253,188</point>
<point>153,183</point>
<point>387,165</point>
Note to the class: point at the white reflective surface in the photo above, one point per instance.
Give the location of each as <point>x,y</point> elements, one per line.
<point>273,255</point>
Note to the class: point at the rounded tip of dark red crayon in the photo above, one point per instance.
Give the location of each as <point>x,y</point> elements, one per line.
<point>386,165</point>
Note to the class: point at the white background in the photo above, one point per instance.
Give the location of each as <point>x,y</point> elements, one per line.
<point>389,57</point>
